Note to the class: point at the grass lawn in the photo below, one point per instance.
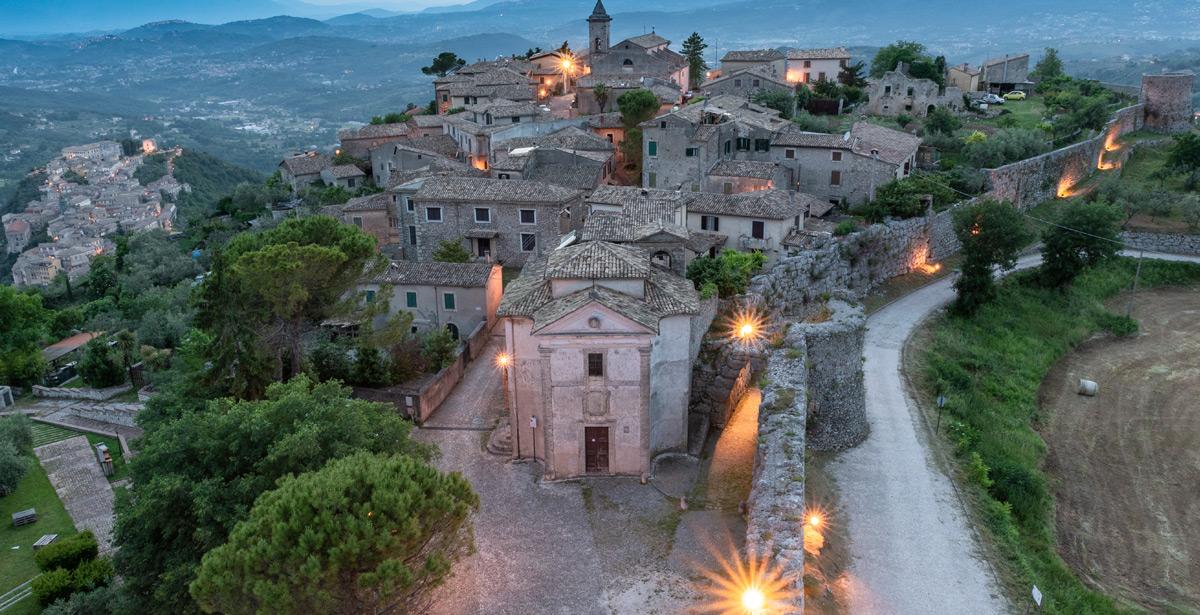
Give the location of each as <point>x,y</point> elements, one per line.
<point>990,368</point>
<point>45,434</point>
<point>1026,113</point>
<point>16,565</point>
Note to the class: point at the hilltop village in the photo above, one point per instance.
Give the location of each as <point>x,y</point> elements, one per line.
<point>635,320</point>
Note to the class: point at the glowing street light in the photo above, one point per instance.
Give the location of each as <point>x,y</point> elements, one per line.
<point>746,326</point>
<point>503,360</point>
<point>746,330</point>
<point>753,600</point>
<point>815,520</point>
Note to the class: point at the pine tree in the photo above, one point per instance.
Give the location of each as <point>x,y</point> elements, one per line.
<point>693,50</point>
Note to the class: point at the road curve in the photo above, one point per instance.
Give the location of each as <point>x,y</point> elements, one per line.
<point>912,548</point>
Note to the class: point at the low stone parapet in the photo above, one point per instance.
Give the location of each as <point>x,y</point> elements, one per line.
<point>1170,243</point>
<point>80,393</point>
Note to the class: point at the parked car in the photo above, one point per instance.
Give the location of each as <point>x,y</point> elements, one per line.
<point>1015,95</point>
<point>992,99</point>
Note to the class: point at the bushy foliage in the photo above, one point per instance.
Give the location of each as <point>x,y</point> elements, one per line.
<point>391,118</point>
<point>364,534</point>
<point>370,367</point>
<point>782,101</point>
<point>992,235</point>
<point>1087,234</point>
<point>51,586</point>
<point>103,599</point>
<point>1003,147</point>
<point>152,169</point>
<point>920,64</point>
<point>199,472</point>
<point>451,251</point>
<point>730,271</point>
<point>24,322</point>
<point>942,120</point>
<point>69,552</point>
<point>331,361</point>
<point>904,198</point>
<point>101,365</point>
<point>13,466</point>
<point>811,123</point>
<point>438,348</point>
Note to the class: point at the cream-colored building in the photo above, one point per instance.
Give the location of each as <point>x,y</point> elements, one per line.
<point>601,342</point>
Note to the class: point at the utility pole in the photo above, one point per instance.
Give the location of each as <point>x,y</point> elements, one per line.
<point>1136,276</point>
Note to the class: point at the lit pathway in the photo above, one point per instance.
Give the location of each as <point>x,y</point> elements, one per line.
<point>732,466</point>
<point>911,545</point>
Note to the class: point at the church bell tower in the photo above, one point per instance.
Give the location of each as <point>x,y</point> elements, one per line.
<point>599,24</point>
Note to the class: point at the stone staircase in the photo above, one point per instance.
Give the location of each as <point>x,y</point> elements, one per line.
<point>500,442</point>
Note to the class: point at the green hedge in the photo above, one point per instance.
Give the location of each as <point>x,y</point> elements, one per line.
<point>68,553</point>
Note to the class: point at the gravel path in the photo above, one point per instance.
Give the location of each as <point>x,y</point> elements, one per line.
<point>911,545</point>
<point>72,468</point>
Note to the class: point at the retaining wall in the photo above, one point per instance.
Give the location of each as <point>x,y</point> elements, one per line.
<point>73,393</point>
<point>1171,243</point>
<point>837,412</point>
<point>775,508</point>
<point>115,414</point>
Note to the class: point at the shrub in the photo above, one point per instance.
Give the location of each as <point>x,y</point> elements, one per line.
<point>13,466</point>
<point>730,271</point>
<point>330,361</point>
<point>1003,147</point>
<point>1022,488</point>
<point>101,365</point>
<point>942,121</point>
<point>17,431</point>
<point>92,574</point>
<point>370,367</point>
<point>406,360</point>
<point>68,553</point>
<point>845,227</point>
<point>451,251</point>
<point>100,600</point>
<point>1094,238</point>
<point>904,119</point>
<point>708,290</point>
<point>438,349</point>
<point>51,586</point>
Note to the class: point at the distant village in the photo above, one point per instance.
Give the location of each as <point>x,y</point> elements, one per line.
<point>89,193</point>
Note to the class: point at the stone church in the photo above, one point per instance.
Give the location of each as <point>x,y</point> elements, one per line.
<point>644,61</point>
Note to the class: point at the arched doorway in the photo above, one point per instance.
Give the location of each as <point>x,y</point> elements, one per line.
<point>453,329</point>
<point>661,258</point>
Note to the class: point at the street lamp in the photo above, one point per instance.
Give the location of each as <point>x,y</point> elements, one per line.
<point>503,360</point>
<point>746,326</point>
<point>753,600</point>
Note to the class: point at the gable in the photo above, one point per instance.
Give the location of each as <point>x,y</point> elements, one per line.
<point>607,322</point>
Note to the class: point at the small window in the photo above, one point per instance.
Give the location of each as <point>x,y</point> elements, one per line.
<point>448,300</point>
<point>483,215</point>
<point>357,220</point>
<point>758,229</point>
<point>408,203</point>
<point>652,148</point>
<point>835,156</point>
<point>350,183</point>
<point>808,64</point>
<point>412,235</point>
<point>887,90</point>
<point>410,299</point>
<point>835,178</point>
<point>906,167</point>
<point>652,179</point>
<point>610,137</point>
<point>516,119</point>
<point>756,83</point>
<point>820,76</point>
<point>762,145</point>
<point>662,124</point>
<point>691,152</point>
<point>528,242</point>
<point>727,188</point>
<point>728,146</point>
<point>737,83</point>
<point>790,154</point>
<point>445,98</point>
<point>710,223</point>
<point>595,364</point>
<point>910,91</point>
<point>370,294</point>
<point>503,176</point>
<point>528,216</point>
<point>433,214</point>
<point>743,144</point>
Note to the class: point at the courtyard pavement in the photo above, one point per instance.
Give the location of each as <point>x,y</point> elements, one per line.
<point>80,484</point>
<point>605,545</point>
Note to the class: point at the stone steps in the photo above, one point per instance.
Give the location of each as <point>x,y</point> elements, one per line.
<point>500,442</point>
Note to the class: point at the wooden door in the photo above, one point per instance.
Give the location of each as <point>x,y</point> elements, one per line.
<point>595,450</point>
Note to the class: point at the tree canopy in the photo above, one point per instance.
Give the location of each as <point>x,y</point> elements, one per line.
<point>199,471</point>
<point>367,533</point>
<point>920,64</point>
<point>693,49</point>
<point>1049,67</point>
<point>992,234</point>
<point>1087,233</point>
<point>443,64</point>
<point>451,251</point>
<point>23,325</point>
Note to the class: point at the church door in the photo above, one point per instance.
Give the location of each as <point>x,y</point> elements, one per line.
<point>596,450</point>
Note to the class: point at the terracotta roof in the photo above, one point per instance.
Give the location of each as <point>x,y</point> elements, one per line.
<point>16,226</point>
<point>745,168</point>
<point>442,145</point>
<point>306,164</point>
<point>826,53</point>
<point>435,273</point>
<point>791,135</point>
<point>598,260</point>
<point>647,40</point>
<point>641,204</point>
<point>375,131</point>
<point>67,345</point>
<point>343,171</point>
<point>485,190</point>
<point>753,55</point>
<point>757,72</point>
<point>768,204</point>
<point>894,146</point>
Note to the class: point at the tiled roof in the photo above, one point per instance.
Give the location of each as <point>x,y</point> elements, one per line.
<point>814,206</point>
<point>826,53</point>
<point>648,40</point>
<point>371,202</point>
<point>605,120</point>
<point>306,164</point>
<point>343,171</point>
<point>894,146</point>
<point>608,226</point>
<point>501,107</point>
<point>567,138</point>
<point>768,204</point>
<point>745,168</point>
<point>732,108</point>
<point>641,204</point>
<point>757,72</point>
<point>426,120</point>
<point>753,55</point>
<point>483,190</point>
<point>374,131</point>
<point>16,226</point>
<point>584,175</point>
<point>437,167</point>
<point>435,273</point>
<point>442,145</point>
<point>791,135</point>
<point>598,260</point>
<point>995,61</point>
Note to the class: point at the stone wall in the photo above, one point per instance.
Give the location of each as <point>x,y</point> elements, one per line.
<point>837,416</point>
<point>858,262</point>
<point>775,508</point>
<point>1034,180</point>
<point>1171,243</point>
<point>80,393</point>
<point>115,414</point>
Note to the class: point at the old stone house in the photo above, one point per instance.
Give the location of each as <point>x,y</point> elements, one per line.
<point>761,221</point>
<point>348,176</point>
<point>409,155</point>
<point>734,176</point>
<point>897,92</point>
<point>771,61</point>
<point>371,213</point>
<point>497,220</point>
<point>578,169</point>
<point>17,233</point>
<point>813,65</point>
<point>358,142</point>
<point>458,297</point>
<point>302,170</point>
<point>845,168</point>
<point>483,82</point>
<point>746,83</point>
<point>601,342</point>
<point>963,77</point>
<point>1005,74</point>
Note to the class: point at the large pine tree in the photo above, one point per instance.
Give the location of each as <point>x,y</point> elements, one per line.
<point>693,50</point>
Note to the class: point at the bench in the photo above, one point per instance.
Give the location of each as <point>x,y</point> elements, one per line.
<point>24,517</point>
<point>44,540</point>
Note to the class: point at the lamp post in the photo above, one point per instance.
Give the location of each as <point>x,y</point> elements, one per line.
<point>503,360</point>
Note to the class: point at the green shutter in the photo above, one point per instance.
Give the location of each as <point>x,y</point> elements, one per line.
<point>448,301</point>
<point>652,148</point>
<point>410,299</point>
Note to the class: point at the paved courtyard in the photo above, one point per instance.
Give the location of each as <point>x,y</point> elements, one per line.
<point>608,545</point>
<point>72,468</point>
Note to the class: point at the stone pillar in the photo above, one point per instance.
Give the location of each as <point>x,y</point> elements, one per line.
<point>546,420</point>
<point>644,428</point>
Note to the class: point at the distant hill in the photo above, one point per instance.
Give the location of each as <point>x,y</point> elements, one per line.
<point>47,16</point>
<point>211,179</point>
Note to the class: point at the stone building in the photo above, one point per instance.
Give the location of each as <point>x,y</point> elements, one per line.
<point>813,65</point>
<point>761,221</point>
<point>458,297</point>
<point>497,220</point>
<point>963,77</point>
<point>746,82</point>
<point>483,82</point>
<point>734,176</point>
<point>371,213</point>
<point>17,233</point>
<point>345,175</point>
<point>898,92</point>
<point>846,168</point>
<point>100,151</point>
<point>358,142</point>
<point>303,169</point>
<point>1168,101</point>
<point>601,343</point>
<point>1005,74</point>
<point>772,61</point>
<point>641,61</point>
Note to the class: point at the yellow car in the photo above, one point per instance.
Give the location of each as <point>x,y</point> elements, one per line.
<point>1015,95</point>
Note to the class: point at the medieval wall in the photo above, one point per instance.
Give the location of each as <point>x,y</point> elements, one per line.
<point>1171,243</point>
<point>837,412</point>
<point>1168,101</point>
